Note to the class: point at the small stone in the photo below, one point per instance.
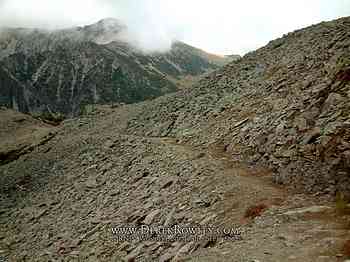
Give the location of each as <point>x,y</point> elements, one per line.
<point>156,246</point>
<point>288,244</point>
<point>107,167</point>
<point>282,237</point>
<point>168,183</point>
<point>151,216</point>
<point>169,218</point>
<point>74,253</point>
<point>169,255</point>
<point>304,210</point>
<point>109,144</point>
<point>301,124</point>
<point>166,257</point>
<point>184,250</point>
<point>207,243</point>
<point>124,245</point>
<point>132,256</point>
<point>91,183</point>
<point>315,133</point>
<point>240,123</point>
<point>207,219</point>
<point>323,257</point>
<point>40,214</point>
<point>333,100</point>
<point>346,155</point>
<point>280,128</point>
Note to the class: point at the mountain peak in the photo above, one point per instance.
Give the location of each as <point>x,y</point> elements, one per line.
<point>110,22</point>
<point>106,25</point>
<point>105,30</point>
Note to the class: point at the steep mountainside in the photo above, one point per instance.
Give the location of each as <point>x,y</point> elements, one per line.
<point>222,171</point>
<point>285,105</point>
<point>64,70</point>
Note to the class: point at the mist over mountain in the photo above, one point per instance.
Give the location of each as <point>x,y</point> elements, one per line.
<point>147,25</point>
<point>220,27</point>
<point>62,71</point>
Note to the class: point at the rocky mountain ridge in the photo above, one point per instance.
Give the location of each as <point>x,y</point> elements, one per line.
<point>65,70</point>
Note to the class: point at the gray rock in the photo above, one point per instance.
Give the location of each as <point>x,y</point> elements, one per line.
<point>304,210</point>
<point>151,216</point>
<point>132,256</point>
<point>184,250</point>
<point>169,218</point>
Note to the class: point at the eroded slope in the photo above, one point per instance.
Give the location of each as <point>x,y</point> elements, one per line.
<point>285,105</point>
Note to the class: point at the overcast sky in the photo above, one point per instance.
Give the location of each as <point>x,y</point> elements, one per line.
<point>218,26</point>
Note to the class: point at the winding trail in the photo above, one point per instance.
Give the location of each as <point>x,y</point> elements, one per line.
<point>58,202</point>
<point>280,234</point>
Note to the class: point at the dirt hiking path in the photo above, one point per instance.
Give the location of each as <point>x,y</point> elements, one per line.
<point>59,203</point>
<point>282,225</point>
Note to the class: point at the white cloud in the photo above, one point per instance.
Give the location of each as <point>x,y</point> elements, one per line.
<point>221,26</point>
<point>51,13</point>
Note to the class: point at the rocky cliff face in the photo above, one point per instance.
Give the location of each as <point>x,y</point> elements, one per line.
<point>62,71</point>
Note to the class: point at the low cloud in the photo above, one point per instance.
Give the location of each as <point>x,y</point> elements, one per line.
<point>221,26</point>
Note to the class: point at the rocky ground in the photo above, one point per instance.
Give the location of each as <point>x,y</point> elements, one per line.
<point>20,134</point>
<point>207,156</point>
<point>60,202</point>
